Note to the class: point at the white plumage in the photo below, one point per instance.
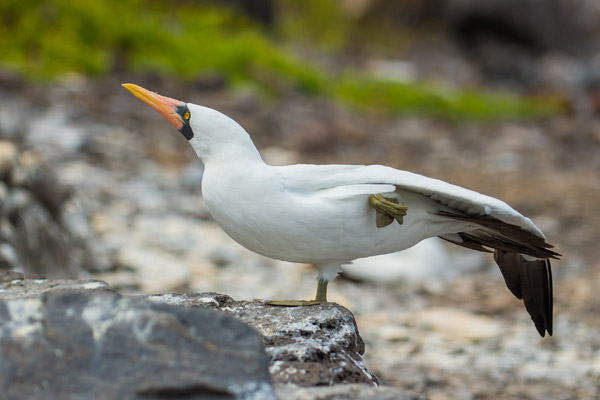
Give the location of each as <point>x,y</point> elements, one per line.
<point>320,214</point>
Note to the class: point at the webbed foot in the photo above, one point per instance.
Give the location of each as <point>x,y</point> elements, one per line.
<point>292,303</point>
<point>320,298</point>
<point>387,210</point>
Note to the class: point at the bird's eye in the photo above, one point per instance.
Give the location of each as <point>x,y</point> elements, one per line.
<point>186,115</point>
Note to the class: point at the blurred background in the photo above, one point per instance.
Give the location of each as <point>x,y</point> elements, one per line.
<point>499,96</point>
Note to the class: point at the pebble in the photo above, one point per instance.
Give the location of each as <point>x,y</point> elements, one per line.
<point>457,325</point>
<point>8,156</point>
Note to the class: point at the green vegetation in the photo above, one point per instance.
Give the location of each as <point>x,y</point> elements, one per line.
<point>46,39</point>
<point>329,29</point>
<point>421,98</point>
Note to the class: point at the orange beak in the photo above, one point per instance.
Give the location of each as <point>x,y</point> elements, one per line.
<point>165,106</point>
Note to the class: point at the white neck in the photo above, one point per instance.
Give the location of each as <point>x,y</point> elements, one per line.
<point>218,138</point>
<point>240,150</point>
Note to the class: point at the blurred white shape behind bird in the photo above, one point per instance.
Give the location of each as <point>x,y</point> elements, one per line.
<point>425,260</point>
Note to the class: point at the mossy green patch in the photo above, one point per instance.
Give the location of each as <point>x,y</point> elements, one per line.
<point>426,99</point>
<point>45,39</point>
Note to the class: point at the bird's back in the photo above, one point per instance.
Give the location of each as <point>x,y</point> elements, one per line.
<point>275,214</point>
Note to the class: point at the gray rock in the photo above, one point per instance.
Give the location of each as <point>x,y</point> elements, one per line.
<point>308,346</point>
<point>346,392</point>
<point>34,235</point>
<point>75,345</point>
<point>14,285</point>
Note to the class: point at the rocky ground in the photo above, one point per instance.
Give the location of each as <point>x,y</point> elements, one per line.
<point>443,324</point>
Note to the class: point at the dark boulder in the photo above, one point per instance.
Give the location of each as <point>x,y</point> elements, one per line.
<point>308,346</point>
<point>97,344</point>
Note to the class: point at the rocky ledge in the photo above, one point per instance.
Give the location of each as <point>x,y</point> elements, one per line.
<point>308,346</point>
<point>82,339</point>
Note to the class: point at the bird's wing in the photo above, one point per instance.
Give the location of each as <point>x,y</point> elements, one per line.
<point>520,248</point>
<point>495,224</point>
<point>464,201</point>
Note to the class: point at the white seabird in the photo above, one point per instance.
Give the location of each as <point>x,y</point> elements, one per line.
<point>329,215</point>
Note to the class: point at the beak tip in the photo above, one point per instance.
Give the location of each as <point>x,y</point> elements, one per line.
<point>128,86</point>
<point>165,106</point>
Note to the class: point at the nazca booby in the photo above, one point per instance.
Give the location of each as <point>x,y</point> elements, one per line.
<point>329,215</point>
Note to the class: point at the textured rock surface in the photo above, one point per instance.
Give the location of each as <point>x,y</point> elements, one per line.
<point>14,285</point>
<point>73,338</point>
<point>308,346</point>
<point>346,392</point>
<point>34,235</point>
<point>97,344</point>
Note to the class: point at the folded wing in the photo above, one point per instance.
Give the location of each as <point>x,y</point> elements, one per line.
<point>520,248</point>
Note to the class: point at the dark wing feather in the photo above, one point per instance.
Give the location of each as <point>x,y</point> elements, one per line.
<point>528,280</point>
<point>531,281</point>
<point>468,243</point>
<point>500,235</point>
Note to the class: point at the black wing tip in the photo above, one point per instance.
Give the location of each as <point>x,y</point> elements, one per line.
<point>550,299</point>
<point>529,280</point>
<point>553,254</point>
<point>543,328</point>
<point>532,282</point>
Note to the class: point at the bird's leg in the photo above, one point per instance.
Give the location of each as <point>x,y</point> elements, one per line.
<point>321,297</point>
<point>387,209</point>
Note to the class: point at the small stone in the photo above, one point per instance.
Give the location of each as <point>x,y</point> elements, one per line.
<point>458,325</point>
<point>8,157</point>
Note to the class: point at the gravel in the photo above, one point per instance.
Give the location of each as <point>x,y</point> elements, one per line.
<point>457,335</point>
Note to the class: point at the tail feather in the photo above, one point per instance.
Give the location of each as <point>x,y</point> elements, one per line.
<point>532,282</point>
<point>496,234</point>
<point>529,279</point>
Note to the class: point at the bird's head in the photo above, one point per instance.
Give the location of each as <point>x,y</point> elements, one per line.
<point>211,133</point>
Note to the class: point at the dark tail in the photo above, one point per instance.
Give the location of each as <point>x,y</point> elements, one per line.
<point>532,282</point>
